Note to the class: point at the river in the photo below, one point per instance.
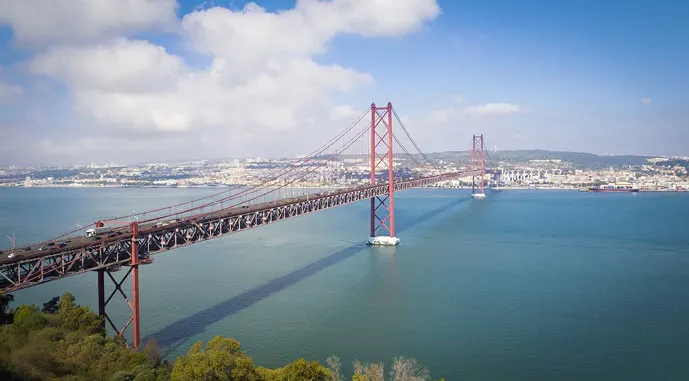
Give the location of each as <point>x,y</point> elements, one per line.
<point>536,285</point>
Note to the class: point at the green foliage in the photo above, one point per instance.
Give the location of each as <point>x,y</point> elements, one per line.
<point>77,317</point>
<point>151,351</point>
<point>51,306</point>
<point>267,374</point>
<point>304,370</point>
<point>65,341</point>
<point>5,316</point>
<point>221,359</point>
<point>68,344</point>
<point>577,159</point>
<point>24,313</point>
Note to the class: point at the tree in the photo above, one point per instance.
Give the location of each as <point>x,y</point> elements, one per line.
<point>221,359</point>
<point>142,373</point>
<point>402,369</point>
<point>5,316</point>
<point>69,345</point>
<point>152,352</point>
<point>65,341</point>
<point>302,370</point>
<point>51,306</point>
<point>8,375</point>
<point>407,369</point>
<point>373,371</point>
<point>335,366</point>
<point>76,317</point>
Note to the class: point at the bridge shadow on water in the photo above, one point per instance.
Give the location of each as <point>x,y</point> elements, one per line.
<point>174,335</point>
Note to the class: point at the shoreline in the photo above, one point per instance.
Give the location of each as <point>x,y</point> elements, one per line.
<point>55,186</point>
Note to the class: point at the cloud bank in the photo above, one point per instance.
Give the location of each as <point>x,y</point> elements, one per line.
<point>493,109</point>
<point>259,72</point>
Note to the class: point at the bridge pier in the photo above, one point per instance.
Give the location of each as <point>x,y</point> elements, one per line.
<point>382,207</point>
<point>135,286</point>
<point>101,294</point>
<point>133,304</point>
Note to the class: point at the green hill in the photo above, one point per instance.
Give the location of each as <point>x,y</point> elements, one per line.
<point>577,159</point>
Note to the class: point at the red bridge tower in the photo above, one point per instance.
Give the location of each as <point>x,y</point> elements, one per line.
<point>478,167</point>
<point>382,207</point>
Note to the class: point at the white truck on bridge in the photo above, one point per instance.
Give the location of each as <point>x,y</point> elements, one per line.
<point>99,230</point>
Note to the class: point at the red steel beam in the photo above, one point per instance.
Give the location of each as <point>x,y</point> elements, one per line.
<point>135,285</point>
<point>391,182</point>
<point>373,167</point>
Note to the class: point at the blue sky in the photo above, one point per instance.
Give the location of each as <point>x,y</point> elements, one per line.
<point>581,68</point>
<point>598,76</point>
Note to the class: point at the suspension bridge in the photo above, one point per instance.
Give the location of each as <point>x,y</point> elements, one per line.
<point>381,167</point>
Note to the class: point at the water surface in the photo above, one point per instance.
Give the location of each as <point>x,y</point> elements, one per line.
<point>536,285</point>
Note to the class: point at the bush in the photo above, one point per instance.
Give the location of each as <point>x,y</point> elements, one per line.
<point>65,341</point>
<point>68,343</point>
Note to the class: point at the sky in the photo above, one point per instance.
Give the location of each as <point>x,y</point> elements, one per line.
<point>150,80</point>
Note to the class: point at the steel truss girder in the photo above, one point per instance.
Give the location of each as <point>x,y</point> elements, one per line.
<point>116,252</point>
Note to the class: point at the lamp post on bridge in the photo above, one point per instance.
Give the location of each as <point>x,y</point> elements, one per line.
<point>12,241</point>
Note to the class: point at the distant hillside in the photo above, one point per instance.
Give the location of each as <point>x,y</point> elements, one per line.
<point>578,159</point>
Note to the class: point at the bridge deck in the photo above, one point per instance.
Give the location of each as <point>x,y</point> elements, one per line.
<point>74,255</point>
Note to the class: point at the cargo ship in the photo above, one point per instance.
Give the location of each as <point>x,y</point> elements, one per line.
<point>613,188</point>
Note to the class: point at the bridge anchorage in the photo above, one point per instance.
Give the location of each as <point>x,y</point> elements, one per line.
<point>119,245</point>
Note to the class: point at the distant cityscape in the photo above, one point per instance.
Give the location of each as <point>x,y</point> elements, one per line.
<point>508,169</point>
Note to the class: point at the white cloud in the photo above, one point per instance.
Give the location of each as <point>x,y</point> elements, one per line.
<point>140,86</point>
<point>93,146</point>
<point>345,113</point>
<point>492,109</point>
<point>646,101</point>
<point>369,18</point>
<point>63,21</point>
<point>262,76</point>
<point>254,37</point>
<point>441,116</point>
<point>119,65</point>
<point>9,91</point>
